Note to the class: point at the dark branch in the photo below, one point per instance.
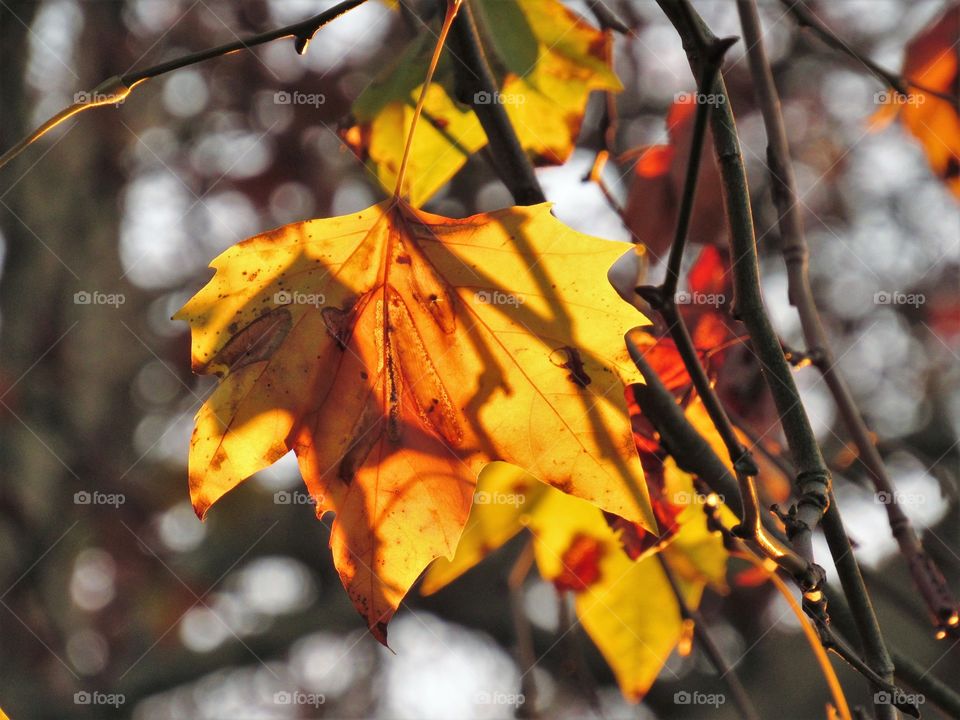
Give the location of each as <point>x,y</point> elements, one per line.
<point>710,648</point>
<point>475,81</point>
<point>926,575</point>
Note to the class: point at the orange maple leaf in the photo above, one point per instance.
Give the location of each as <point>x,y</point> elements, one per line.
<point>653,201</point>
<point>932,63</point>
<point>385,349</point>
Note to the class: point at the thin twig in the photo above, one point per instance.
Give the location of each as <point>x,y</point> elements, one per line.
<point>813,481</point>
<point>888,692</point>
<point>926,575</point>
<point>710,648</point>
<point>526,657</point>
<point>475,82</point>
<point>919,678</point>
<point>116,89</point>
<point>694,455</point>
<point>805,17</point>
<point>810,633</point>
<point>607,18</point>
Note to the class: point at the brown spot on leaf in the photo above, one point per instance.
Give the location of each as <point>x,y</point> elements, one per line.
<point>257,341</point>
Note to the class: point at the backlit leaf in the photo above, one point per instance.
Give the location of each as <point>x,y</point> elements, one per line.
<point>626,606</point>
<point>384,349</point>
<point>547,60</point>
<point>932,61</point>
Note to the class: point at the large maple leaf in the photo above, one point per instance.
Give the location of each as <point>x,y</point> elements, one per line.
<point>548,60</point>
<point>386,349</point>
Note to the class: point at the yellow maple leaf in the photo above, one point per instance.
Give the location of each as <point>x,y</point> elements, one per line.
<point>549,60</point>
<point>386,350</point>
<point>627,607</point>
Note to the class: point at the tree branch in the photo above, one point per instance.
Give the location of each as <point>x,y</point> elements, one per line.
<point>116,89</point>
<point>813,480</point>
<point>694,455</point>
<point>806,18</point>
<point>926,575</point>
<point>475,82</point>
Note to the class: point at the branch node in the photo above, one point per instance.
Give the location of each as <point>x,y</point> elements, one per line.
<point>653,295</point>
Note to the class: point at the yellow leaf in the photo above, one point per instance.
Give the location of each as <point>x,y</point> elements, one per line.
<point>627,607</point>
<point>549,59</point>
<point>385,349</point>
<point>505,496</point>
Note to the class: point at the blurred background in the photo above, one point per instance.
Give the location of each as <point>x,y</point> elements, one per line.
<point>109,583</point>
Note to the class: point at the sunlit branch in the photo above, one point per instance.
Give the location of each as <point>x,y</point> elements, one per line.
<point>809,632</point>
<point>694,455</point>
<point>115,90</point>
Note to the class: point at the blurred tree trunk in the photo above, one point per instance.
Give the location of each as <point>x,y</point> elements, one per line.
<point>67,417</point>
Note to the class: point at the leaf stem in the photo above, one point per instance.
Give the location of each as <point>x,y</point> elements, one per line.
<point>453,6</point>
<point>926,575</point>
<point>115,90</point>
